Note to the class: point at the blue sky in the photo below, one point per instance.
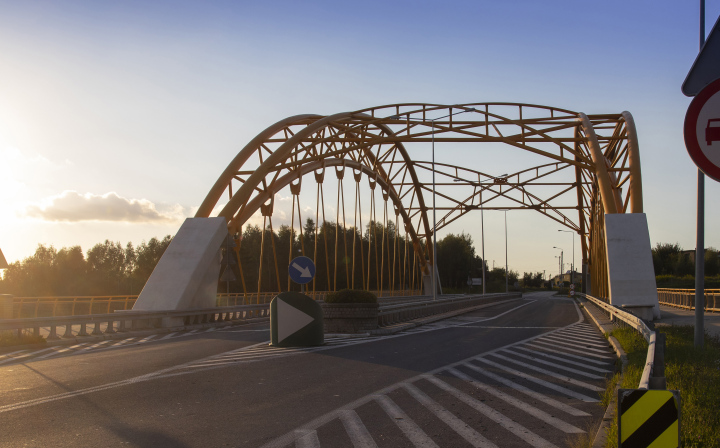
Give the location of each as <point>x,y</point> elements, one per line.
<point>151,100</point>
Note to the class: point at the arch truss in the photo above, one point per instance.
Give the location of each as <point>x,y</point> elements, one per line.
<point>581,167</point>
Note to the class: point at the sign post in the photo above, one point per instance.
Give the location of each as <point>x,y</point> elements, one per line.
<point>296,320</point>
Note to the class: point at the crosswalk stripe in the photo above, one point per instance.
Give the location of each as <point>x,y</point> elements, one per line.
<point>411,430</point>
<point>168,336</point>
<point>549,385</point>
<point>550,373</point>
<point>566,361</point>
<point>356,430</point>
<point>309,440</point>
<point>606,359</point>
<point>459,426</point>
<point>556,365</point>
<point>526,407</point>
<point>579,340</point>
<point>510,425</point>
<point>574,345</point>
<point>529,392</point>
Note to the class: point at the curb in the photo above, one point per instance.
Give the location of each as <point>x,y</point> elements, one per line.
<point>601,435</point>
<point>126,334</point>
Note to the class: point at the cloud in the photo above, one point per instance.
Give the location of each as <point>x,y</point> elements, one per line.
<point>71,206</point>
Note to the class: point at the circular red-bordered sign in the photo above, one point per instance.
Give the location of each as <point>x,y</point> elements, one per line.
<point>702,130</point>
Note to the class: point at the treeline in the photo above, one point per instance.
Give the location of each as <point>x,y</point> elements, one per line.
<point>107,269</point>
<point>675,267</point>
<point>381,259</point>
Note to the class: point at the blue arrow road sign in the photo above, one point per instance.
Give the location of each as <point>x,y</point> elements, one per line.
<point>301,270</point>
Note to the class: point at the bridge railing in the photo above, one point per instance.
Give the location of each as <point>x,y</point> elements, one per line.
<point>685,298</point>
<point>638,324</point>
<point>28,307</point>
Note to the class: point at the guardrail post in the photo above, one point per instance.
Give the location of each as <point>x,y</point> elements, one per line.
<point>110,327</point>
<point>83,330</point>
<point>68,331</point>
<point>96,329</point>
<point>53,333</point>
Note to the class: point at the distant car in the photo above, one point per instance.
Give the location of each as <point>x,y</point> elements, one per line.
<point>712,131</point>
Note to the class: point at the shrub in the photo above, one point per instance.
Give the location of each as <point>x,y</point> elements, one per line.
<point>10,338</point>
<point>351,296</point>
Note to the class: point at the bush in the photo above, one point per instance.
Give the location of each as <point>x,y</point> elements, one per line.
<point>351,296</point>
<point>10,338</point>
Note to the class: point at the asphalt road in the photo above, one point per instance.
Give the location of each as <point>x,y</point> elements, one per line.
<point>525,372</point>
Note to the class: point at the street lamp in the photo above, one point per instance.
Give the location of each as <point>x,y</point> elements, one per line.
<point>434,264</point>
<point>572,267</point>
<point>506,252</point>
<point>562,263</point>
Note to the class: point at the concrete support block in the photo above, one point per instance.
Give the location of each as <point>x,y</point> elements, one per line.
<point>186,276</point>
<point>630,266</point>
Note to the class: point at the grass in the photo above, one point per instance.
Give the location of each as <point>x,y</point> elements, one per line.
<point>10,338</point>
<point>694,372</point>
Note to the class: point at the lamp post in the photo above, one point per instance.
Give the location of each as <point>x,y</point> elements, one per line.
<point>434,261</point>
<point>572,267</point>
<point>506,252</point>
<point>562,264</point>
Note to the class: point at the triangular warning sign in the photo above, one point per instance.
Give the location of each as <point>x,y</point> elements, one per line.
<point>290,320</point>
<point>706,68</point>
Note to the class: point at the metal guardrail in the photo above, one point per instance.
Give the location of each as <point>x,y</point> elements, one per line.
<point>638,324</point>
<point>130,320</point>
<point>685,298</point>
<point>138,320</point>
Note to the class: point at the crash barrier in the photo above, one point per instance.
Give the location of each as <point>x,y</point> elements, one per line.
<point>685,298</point>
<point>49,306</point>
<point>122,321</point>
<point>630,320</point>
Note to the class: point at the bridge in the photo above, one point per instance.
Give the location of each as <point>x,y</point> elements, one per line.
<point>183,368</point>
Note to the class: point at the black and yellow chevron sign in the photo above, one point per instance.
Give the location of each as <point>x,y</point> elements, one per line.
<point>648,418</point>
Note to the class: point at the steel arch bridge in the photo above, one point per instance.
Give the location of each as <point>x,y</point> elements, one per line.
<point>590,167</point>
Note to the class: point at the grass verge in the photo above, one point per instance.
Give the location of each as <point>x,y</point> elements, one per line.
<point>694,372</point>
<point>10,338</point>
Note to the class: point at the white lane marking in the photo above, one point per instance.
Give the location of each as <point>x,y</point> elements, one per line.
<point>566,361</point>
<point>563,378</point>
<point>579,332</point>
<point>167,336</point>
<point>561,343</point>
<point>536,395</point>
<point>61,351</point>
<point>210,329</point>
<point>95,345</point>
<point>583,341</point>
<point>581,358</point>
<point>556,365</point>
<point>459,426</point>
<point>243,331</point>
<point>513,328</point>
<point>356,430</point>
<point>563,347</point>
<point>15,358</point>
<point>123,342</point>
<point>510,425</point>
<point>11,353</point>
<point>146,339</point>
<point>307,439</point>
<point>411,430</point>
<point>526,407</point>
<point>564,390</point>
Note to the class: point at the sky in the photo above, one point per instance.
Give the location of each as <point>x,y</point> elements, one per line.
<point>116,118</point>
